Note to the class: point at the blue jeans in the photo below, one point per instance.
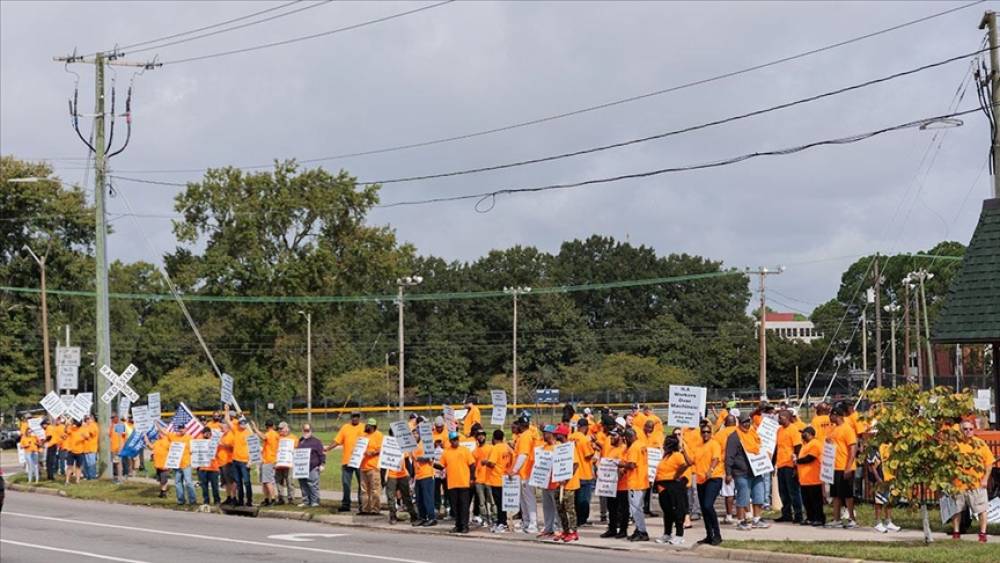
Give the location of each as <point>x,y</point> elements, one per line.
<point>790,493</point>
<point>583,496</point>
<point>346,473</point>
<point>425,499</point>
<point>244,487</point>
<point>707,493</point>
<point>90,466</point>
<point>184,484</point>
<point>31,465</point>
<point>209,480</point>
<point>749,490</point>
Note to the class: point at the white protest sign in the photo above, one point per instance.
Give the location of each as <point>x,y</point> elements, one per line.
<point>285,456</point>
<point>768,432</point>
<point>437,454</point>
<point>827,463</point>
<point>542,470</point>
<point>469,445</point>
<point>300,463</point>
<point>67,377</point>
<point>948,508</point>
<point>993,511</point>
<point>35,425</point>
<point>562,462</point>
<point>391,456</point>
<point>449,418</point>
<point>67,400</point>
<point>653,458</point>
<point>607,477</point>
<point>174,455</point>
<point>201,453</point>
<point>253,444</point>
<point>80,407</point>
<point>53,405</point>
<point>404,438</point>
<point>140,418</point>
<point>760,464</point>
<point>358,453</point>
<point>21,457</point>
<point>213,442</point>
<point>227,389</point>
<point>499,414</point>
<point>153,402</point>
<point>511,493</point>
<point>687,403</point>
<point>124,404</point>
<point>426,435</point>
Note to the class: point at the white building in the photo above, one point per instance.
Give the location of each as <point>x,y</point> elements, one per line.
<point>784,325</point>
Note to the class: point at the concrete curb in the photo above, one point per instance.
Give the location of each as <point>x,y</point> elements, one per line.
<point>40,490</point>
<point>285,515</point>
<point>761,556</point>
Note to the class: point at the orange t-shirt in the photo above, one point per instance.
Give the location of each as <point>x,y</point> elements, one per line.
<point>75,439</point>
<point>93,432</point>
<point>370,460</point>
<point>347,436</point>
<point>844,437</point>
<point>788,438</point>
<point>117,440</point>
<point>160,448</point>
<point>481,454</point>
<point>224,454</point>
<point>525,445</point>
<point>55,433</point>
<point>586,451</point>
<point>269,447</point>
<point>574,482</point>
<point>241,449</point>
<point>668,467</point>
<point>822,425</point>
<point>423,469</point>
<point>617,453</point>
<point>400,473</point>
<point>809,472</point>
<point>456,462</point>
<point>722,435</point>
<point>29,443</point>
<point>501,456</point>
<point>983,450</point>
<point>703,457</point>
<point>637,478</point>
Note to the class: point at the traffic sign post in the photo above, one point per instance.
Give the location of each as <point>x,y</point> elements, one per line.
<point>119,383</point>
<point>67,367</point>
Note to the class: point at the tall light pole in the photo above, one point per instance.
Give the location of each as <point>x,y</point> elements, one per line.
<point>309,366</point>
<point>892,309</point>
<point>45,318</point>
<point>763,272</point>
<point>515,292</point>
<point>921,276</point>
<point>401,284</point>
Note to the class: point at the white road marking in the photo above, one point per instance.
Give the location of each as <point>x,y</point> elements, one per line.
<point>72,551</point>
<point>302,537</point>
<point>212,538</point>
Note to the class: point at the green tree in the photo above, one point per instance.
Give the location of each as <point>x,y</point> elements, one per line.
<point>364,386</point>
<point>196,388</point>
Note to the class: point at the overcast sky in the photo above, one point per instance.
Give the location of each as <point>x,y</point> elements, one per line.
<point>466,66</point>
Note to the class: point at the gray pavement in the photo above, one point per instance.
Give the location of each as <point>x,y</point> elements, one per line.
<point>42,528</point>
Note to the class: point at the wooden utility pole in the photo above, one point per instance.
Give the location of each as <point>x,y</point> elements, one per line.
<point>762,337</point>
<point>878,325</point>
<point>989,22</point>
<point>906,331</point>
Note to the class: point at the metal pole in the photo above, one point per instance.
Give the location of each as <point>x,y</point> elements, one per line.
<point>400,303</point>
<point>892,344</point>
<point>103,332</point>
<point>906,332</point>
<point>763,337</point>
<point>927,330</point>
<point>309,369</point>
<point>864,339</point>
<point>916,337</point>
<point>515,353</point>
<point>45,328</point>
<point>989,21</point>
<point>996,385</point>
<point>878,325</point>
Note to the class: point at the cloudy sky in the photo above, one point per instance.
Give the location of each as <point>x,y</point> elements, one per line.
<point>469,66</point>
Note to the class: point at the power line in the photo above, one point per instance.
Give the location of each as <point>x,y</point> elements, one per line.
<point>588,109</point>
<point>308,37</point>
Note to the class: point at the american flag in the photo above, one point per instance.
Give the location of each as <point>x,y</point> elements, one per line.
<point>184,419</point>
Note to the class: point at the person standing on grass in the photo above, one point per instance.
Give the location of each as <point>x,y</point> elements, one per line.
<point>268,457</point>
<point>183,484</point>
<point>346,437</point>
<point>423,479</point>
<point>788,443</point>
<point>30,446</point>
<point>879,477</point>
<point>91,436</point>
<point>585,449</point>
<point>671,483</point>
<point>160,448</point>
<point>842,435</point>
<point>283,475</point>
<point>371,477</point>
<point>636,465</point>
<point>460,470</point>
<point>807,465</point>
<point>53,440</point>
<point>973,497</point>
<point>74,443</point>
<point>709,471</point>
<point>497,462</point>
<point>749,488</point>
<point>208,475</point>
<point>116,439</point>
<point>317,463</point>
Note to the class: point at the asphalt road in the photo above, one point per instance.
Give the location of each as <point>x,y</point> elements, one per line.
<point>42,528</point>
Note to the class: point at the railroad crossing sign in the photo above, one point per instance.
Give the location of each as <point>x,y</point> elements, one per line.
<point>119,383</point>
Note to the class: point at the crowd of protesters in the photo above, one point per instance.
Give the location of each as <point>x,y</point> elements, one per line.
<point>460,476</point>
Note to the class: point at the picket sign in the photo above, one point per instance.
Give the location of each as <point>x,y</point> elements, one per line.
<point>653,458</point>
<point>53,405</point>
<point>760,464</point>
<point>67,400</point>
<point>21,457</point>
<point>607,478</point>
<point>391,456</point>
<point>201,453</point>
<point>174,455</point>
<point>300,463</point>
<point>286,446</point>
<point>562,462</point>
<point>226,391</point>
<point>124,404</point>
<point>426,435</point>
<point>948,508</point>
<point>140,418</point>
<point>993,511</point>
<point>511,493</point>
<point>542,470</point>
<point>153,402</point>
<point>686,405</point>
<point>768,432</point>
<point>499,399</point>
<point>253,444</point>
<point>213,442</point>
<point>449,418</point>
<point>80,407</point>
<point>35,425</point>
<point>404,438</point>
<point>358,453</point>
<point>469,445</point>
<point>827,462</point>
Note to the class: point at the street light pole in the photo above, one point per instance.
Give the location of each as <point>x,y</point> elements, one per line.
<point>515,292</point>
<point>892,309</point>
<point>45,319</point>
<point>309,367</point>
<point>401,284</point>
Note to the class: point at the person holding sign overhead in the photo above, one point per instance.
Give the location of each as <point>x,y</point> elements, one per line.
<point>346,437</point>
<point>371,476</point>
<point>460,470</point>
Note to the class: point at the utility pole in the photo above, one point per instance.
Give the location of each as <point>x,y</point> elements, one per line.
<point>515,292</point>
<point>763,272</point>
<point>878,325</point>
<point>402,283</point>
<point>916,335</point>
<point>906,330</point>
<point>40,260</point>
<point>892,308</point>
<point>309,366</point>
<point>924,275</point>
<point>864,339</point>
<point>989,22</point>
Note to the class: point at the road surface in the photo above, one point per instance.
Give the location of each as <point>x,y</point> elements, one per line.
<point>42,528</point>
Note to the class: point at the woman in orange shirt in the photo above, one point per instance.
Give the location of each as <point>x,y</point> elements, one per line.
<point>423,476</point>
<point>710,470</point>
<point>807,464</point>
<point>29,445</point>
<point>671,482</point>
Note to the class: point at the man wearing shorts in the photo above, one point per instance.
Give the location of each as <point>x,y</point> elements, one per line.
<point>268,457</point>
<point>160,448</point>
<point>973,497</point>
<point>842,491</point>
<point>749,489</point>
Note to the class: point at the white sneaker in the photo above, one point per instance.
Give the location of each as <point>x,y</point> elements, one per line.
<point>531,529</point>
<point>729,519</point>
<point>850,524</point>
<point>499,529</point>
<point>889,526</point>
<point>477,520</point>
<point>843,514</point>
<point>881,528</point>
<point>665,538</point>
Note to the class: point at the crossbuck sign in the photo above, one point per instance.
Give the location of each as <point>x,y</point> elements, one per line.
<point>119,383</point>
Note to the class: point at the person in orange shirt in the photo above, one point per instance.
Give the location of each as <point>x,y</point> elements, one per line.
<point>472,417</point>
<point>484,498</point>
<point>283,475</point>
<point>241,432</point>
<point>821,422</point>
<point>807,464</point>
<point>208,475</point>
<point>268,455</point>
<point>423,479</point>
<point>709,471</point>
<point>30,446</point>
<point>585,449</point>
<point>497,461</point>
<point>399,480</point>
<point>346,437</point>
<point>671,483</point>
<point>116,438</point>
<point>74,443</point>
<point>842,490</point>
<point>371,476</point>
<point>524,459</point>
<point>224,453</point>
<point>567,491</point>
<point>728,491</point>
<point>160,448</point>
<point>788,443</point>
<point>91,435</point>
<point>636,477</point>
<point>973,497</point>
<point>460,474</point>
<point>53,440</point>
<point>183,483</point>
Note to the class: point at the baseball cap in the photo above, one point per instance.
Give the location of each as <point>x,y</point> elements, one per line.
<point>735,412</point>
<point>439,421</point>
<point>620,421</point>
<point>372,422</point>
<point>356,414</point>
<point>562,430</point>
<point>453,435</point>
<point>549,428</point>
<point>586,410</point>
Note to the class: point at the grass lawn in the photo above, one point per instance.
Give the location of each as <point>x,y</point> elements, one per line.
<point>943,551</point>
<point>906,518</point>
<point>145,494</point>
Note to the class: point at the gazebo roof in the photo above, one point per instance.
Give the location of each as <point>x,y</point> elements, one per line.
<point>971,311</point>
